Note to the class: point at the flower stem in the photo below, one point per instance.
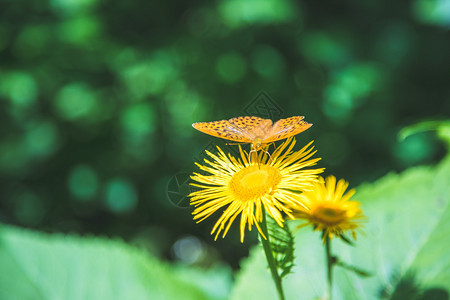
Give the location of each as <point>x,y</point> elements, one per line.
<point>270,260</point>
<point>330,263</point>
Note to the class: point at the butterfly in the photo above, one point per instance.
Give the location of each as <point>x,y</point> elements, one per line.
<point>256,131</point>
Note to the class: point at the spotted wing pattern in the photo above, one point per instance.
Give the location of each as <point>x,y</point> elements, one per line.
<point>285,128</point>
<point>223,129</point>
<point>253,126</point>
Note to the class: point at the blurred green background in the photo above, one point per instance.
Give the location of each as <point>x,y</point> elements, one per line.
<point>97,99</point>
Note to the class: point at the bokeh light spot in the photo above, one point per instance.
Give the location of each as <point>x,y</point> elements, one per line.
<point>395,43</point>
<point>433,12</point>
<point>121,196</point>
<point>188,249</point>
<point>31,41</point>
<point>185,107</point>
<point>80,31</point>
<point>319,47</point>
<point>231,67</point>
<point>237,13</point>
<point>138,122</point>
<point>152,76</point>
<point>75,101</point>
<point>268,62</point>
<point>42,139</point>
<point>83,183</point>
<point>19,87</point>
<point>360,79</point>
<point>19,152</point>
<point>72,7</point>
<point>337,104</point>
<point>349,89</point>
<point>139,119</point>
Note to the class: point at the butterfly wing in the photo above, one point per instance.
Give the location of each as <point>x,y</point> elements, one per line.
<point>285,128</point>
<point>223,129</point>
<point>253,126</point>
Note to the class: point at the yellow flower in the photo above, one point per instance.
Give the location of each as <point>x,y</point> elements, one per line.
<point>249,189</point>
<point>328,209</point>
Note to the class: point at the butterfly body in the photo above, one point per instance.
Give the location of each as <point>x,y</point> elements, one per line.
<point>256,131</point>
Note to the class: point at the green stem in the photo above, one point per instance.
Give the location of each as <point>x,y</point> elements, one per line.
<point>270,260</point>
<point>330,263</point>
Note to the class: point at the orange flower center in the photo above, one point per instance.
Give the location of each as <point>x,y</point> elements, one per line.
<point>254,182</point>
<point>329,213</point>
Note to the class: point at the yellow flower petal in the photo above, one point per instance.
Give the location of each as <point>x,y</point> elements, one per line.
<point>328,208</point>
<point>247,189</point>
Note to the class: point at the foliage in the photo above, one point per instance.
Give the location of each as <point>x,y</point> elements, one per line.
<point>97,98</point>
<point>282,244</point>
<point>43,266</point>
<point>404,246</point>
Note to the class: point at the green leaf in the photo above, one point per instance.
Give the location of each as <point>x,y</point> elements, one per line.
<point>53,266</point>
<point>282,244</point>
<point>344,238</point>
<point>405,245</point>
<point>441,127</point>
<point>355,269</point>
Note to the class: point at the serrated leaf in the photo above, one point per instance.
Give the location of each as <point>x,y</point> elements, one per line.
<point>41,266</point>
<point>282,244</point>
<point>407,234</point>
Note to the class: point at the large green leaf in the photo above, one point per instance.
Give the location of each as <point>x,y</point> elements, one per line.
<point>41,266</point>
<point>405,245</point>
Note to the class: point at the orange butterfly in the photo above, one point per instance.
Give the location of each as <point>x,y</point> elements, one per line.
<point>257,131</point>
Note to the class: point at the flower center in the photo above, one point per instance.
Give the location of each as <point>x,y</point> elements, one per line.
<point>330,214</point>
<point>254,181</point>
